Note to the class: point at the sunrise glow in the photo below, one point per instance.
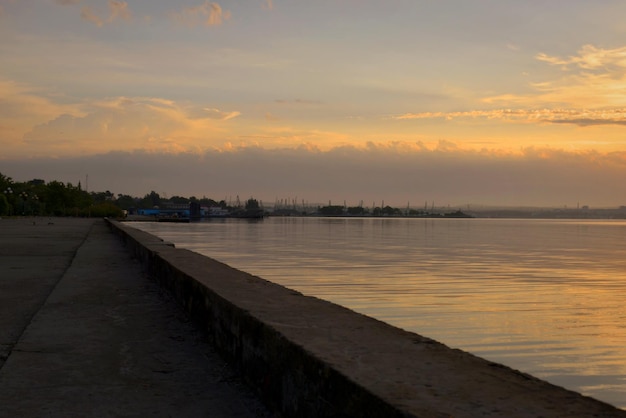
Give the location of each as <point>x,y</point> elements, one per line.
<point>389,86</point>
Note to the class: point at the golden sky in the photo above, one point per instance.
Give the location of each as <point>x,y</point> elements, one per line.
<point>486,84</point>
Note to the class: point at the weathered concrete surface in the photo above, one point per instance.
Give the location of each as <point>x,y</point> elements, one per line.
<point>85,333</point>
<point>33,257</point>
<point>311,358</point>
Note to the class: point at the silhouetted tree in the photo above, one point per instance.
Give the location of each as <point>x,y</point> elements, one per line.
<point>179,200</point>
<point>125,202</point>
<point>101,197</point>
<point>150,200</point>
<point>5,182</point>
<point>5,209</point>
<point>56,198</point>
<point>331,210</point>
<point>356,211</point>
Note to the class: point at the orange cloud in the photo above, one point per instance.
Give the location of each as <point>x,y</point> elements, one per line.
<point>591,58</point>
<point>20,103</point>
<point>297,101</point>
<point>594,78</point>
<point>119,9</point>
<point>573,116</point>
<point>21,107</point>
<point>32,123</point>
<point>590,92</point>
<point>279,135</point>
<point>129,123</point>
<point>88,14</point>
<point>207,14</point>
<point>220,115</point>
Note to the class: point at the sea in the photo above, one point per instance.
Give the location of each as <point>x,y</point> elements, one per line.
<point>546,297</point>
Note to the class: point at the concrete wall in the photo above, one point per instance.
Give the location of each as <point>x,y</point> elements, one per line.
<point>310,358</point>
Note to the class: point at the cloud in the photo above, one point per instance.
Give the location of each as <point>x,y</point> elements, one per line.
<point>67,2</point>
<point>394,172</point>
<point>563,116</point>
<point>596,77</point>
<point>589,91</point>
<point>269,5</point>
<point>297,101</point>
<point>21,106</point>
<point>119,10</point>
<point>207,14</point>
<point>129,123</point>
<point>19,98</point>
<point>589,122</point>
<point>36,121</point>
<point>591,58</point>
<point>512,47</point>
<point>221,115</point>
<point>88,14</point>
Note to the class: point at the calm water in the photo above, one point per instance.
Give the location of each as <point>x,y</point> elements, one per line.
<point>543,296</point>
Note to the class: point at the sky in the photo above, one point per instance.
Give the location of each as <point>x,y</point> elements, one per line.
<point>456,102</point>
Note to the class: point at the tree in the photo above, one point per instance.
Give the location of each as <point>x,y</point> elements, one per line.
<point>356,211</point>
<point>5,208</point>
<point>55,198</point>
<point>101,197</point>
<point>78,201</point>
<point>331,210</point>
<point>389,211</point>
<point>107,209</point>
<point>65,199</point>
<point>150,200</point>
<point>179,200</point>
<point>125,202</point>
<point>5,182</point>
<point>6,190</point>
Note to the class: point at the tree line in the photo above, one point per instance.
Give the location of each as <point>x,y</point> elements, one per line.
<point>55,198</point>
<point>39,198</point>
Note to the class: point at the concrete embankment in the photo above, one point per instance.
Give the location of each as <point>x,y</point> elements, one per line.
<point>311,358</point>
<point>85,333</point>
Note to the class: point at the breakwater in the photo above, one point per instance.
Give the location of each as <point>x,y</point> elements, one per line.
<point>308,357</point>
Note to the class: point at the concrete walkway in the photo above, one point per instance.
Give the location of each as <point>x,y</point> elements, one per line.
<point>84,333</point>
